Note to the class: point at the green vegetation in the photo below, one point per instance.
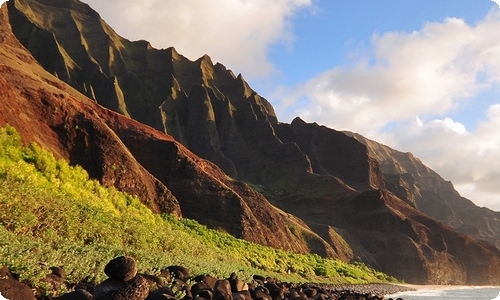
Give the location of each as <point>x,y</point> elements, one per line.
<point>54,213</point>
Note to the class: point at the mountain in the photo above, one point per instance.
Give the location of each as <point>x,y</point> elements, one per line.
<point>133,157</point>
<point>422,188</point>
<point>192,139</point>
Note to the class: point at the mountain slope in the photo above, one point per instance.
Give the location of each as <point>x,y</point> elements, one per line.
<point>204,106</point>
<point>330,188</point>
<point>133,157</point>
<point>407,177</point>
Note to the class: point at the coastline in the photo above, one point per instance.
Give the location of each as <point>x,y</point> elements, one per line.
<point>439,291</point>
<point>419,287</point>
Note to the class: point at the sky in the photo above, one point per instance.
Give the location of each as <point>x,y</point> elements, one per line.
<point>420,76</point>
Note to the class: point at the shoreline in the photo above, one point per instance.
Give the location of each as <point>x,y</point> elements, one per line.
<point>372,288</point>
<point>175,283</point>
<point>419,287</point>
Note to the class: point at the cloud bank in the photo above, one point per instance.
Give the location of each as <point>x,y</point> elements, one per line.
<point>238,33</point>
<point>405,93</point>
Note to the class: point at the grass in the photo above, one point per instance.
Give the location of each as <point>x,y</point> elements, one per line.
<point>53,214</point>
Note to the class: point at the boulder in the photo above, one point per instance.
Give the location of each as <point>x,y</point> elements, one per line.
<point>136,288</point>
<point>122,268</point>
<point>76,295</point>
<point>15,290</point>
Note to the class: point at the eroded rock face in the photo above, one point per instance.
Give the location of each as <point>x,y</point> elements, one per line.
<point>129,155</point>
<point>333,153</point>
<point>204,106</point>
<point>408,178</point>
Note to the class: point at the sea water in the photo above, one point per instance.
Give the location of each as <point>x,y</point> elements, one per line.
<point>462,293</point>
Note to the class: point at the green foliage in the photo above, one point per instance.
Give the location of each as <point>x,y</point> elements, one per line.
<point>52,212</point>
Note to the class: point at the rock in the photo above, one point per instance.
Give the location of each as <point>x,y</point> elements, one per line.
<point>204,294</point>
<point>76,295</point>
<point>136,288</point>
<point>56,278</point>
<point>238,285</point>
<point>260,292</point>
<point>163,293</point>
<point>122,268</point>
<point>6,273</point>
<point>153,280</point>
<point>198,287</point>
<point>178,272</point>
<point>15,290</point>
<point>222,290</point>
<point>209,280</point>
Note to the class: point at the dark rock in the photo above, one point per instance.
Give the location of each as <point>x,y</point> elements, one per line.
<point>136,288</point>
<point>238,285</point>
<point>163,293</point>
<point>208,279</point>
<point>122,268</point>
<point>58,272</point>
<point>86,284</point>
<point>200,286</point>
<point>178,272</point>
<point>310,292</point>
<point>222,290</point>
<point>15,290</point>
<point>6,273</point>
<point>55,278</point>
<point>240,296</point>
<point>275,291</point>
<point>259,278</point>
<point>75,295</point>
<point>260,292</point>
<point>204,294</point>
<point>153,280</point>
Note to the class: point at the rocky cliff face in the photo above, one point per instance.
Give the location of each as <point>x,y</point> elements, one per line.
<point>336,194</point>
<point>407,177</point>
<point>204,106</point>
<point>131,156</point>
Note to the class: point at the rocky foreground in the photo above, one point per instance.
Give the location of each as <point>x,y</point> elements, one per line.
<point>175,283</point>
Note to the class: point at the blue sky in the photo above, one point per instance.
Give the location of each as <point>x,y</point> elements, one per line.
<point>334,31</point>
<point>420,76</point>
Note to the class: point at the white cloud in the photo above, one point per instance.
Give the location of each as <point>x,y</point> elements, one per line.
<point>426,72</point>
<point>238,33</point>
<point>404,93</point>
<point>471,160</point>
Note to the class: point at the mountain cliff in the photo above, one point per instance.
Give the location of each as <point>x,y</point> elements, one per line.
<point>131,156</point>
<point>422,188</point>
<point>186,135</point>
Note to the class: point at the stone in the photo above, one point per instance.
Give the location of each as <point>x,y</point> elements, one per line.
<point>76,295</point>
<point>136,288</point>
<point>122,268</point>
<point>15,290</point>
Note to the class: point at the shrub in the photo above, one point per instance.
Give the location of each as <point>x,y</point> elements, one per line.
<point>54,213</point>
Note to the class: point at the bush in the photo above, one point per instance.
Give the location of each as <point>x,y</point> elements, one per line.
<point>54,213</point>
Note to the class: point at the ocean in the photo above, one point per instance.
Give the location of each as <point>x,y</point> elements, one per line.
<point>448,293</point>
